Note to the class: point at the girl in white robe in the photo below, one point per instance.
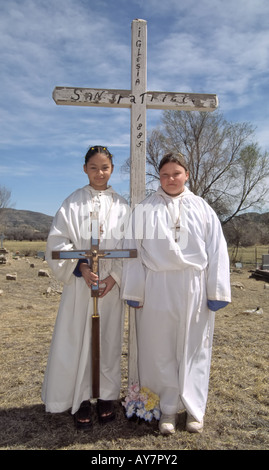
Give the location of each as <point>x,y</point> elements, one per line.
<point>67,382</point>
<point>180,277</point>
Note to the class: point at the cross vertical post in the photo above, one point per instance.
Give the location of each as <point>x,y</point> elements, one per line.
<point>137,158</point>
<point>138,112</point>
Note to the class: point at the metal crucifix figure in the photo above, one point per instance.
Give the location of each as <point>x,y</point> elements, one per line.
<point>95,254</point>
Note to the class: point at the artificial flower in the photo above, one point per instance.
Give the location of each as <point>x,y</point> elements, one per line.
<point>142,403</point>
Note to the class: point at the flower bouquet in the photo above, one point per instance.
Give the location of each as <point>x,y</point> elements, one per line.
<point>142,403</point>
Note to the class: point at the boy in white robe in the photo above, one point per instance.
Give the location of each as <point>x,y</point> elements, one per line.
<point>180,277</point>
<point>67,382</point>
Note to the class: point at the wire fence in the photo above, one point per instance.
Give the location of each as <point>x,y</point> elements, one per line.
<point>251,256</point>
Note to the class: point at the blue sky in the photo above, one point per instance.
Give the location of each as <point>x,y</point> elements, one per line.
<point>198,46</point>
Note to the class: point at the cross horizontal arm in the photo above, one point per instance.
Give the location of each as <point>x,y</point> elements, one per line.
<point>71,96</point>
<point>82,254</point>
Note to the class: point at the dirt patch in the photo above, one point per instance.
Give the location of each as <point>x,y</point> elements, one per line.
<point>237,414</point>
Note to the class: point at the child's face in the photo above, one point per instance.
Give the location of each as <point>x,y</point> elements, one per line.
<point>98,169</point>
<point>173,178</point>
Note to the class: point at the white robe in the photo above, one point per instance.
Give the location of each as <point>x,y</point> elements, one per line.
<point>67,380</point>
<point>173,280</point>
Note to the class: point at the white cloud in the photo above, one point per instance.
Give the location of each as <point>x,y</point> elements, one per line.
<point>205,46</point>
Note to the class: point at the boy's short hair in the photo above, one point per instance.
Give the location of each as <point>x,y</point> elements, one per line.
<point>173,157</point>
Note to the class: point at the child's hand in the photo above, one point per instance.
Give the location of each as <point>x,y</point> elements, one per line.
<point>89,277</point>
<point>106,285</point>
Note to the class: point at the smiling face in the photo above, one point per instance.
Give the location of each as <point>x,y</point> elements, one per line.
<point>99,169</point>
<point>173,178</point>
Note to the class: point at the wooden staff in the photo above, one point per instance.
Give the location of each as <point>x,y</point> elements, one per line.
<point>95,350</point>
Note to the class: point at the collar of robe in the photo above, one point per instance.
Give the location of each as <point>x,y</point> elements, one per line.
<point>97,192</point>
<point>184,193</point>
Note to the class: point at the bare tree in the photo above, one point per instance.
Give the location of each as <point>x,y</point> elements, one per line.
<point>248,185</point>
<point>226,168</point>
<point>5,197</point>
<point>5,202</point>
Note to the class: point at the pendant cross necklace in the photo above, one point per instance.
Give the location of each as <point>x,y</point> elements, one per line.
<point>97,205</point>
<point>176,225</point>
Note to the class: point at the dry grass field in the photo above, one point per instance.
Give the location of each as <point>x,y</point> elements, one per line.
<point>237,415</point>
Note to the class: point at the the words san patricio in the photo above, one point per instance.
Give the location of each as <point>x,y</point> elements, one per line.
<point>142,459</point>
<point>125,98</point>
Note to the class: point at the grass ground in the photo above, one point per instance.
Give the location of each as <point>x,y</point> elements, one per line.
<point>237,416</point>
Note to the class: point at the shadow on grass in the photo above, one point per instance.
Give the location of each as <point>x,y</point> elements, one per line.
<point>31,428</point>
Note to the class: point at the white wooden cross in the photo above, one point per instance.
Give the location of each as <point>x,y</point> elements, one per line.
<point>138,99</point>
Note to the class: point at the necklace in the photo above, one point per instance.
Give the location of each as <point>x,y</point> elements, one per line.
<point>176,224</point>
<point>101,226</point>
<point>96,207</point>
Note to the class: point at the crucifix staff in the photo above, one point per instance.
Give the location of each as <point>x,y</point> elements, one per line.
<point>95,254</point>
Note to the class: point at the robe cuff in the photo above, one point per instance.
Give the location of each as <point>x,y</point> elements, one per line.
<point>76,271</point>
<point>215,305</point>
<point>134,303</point>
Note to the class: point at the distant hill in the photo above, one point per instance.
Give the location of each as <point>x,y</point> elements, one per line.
<point>250,228</point>
<point>15,222</point>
